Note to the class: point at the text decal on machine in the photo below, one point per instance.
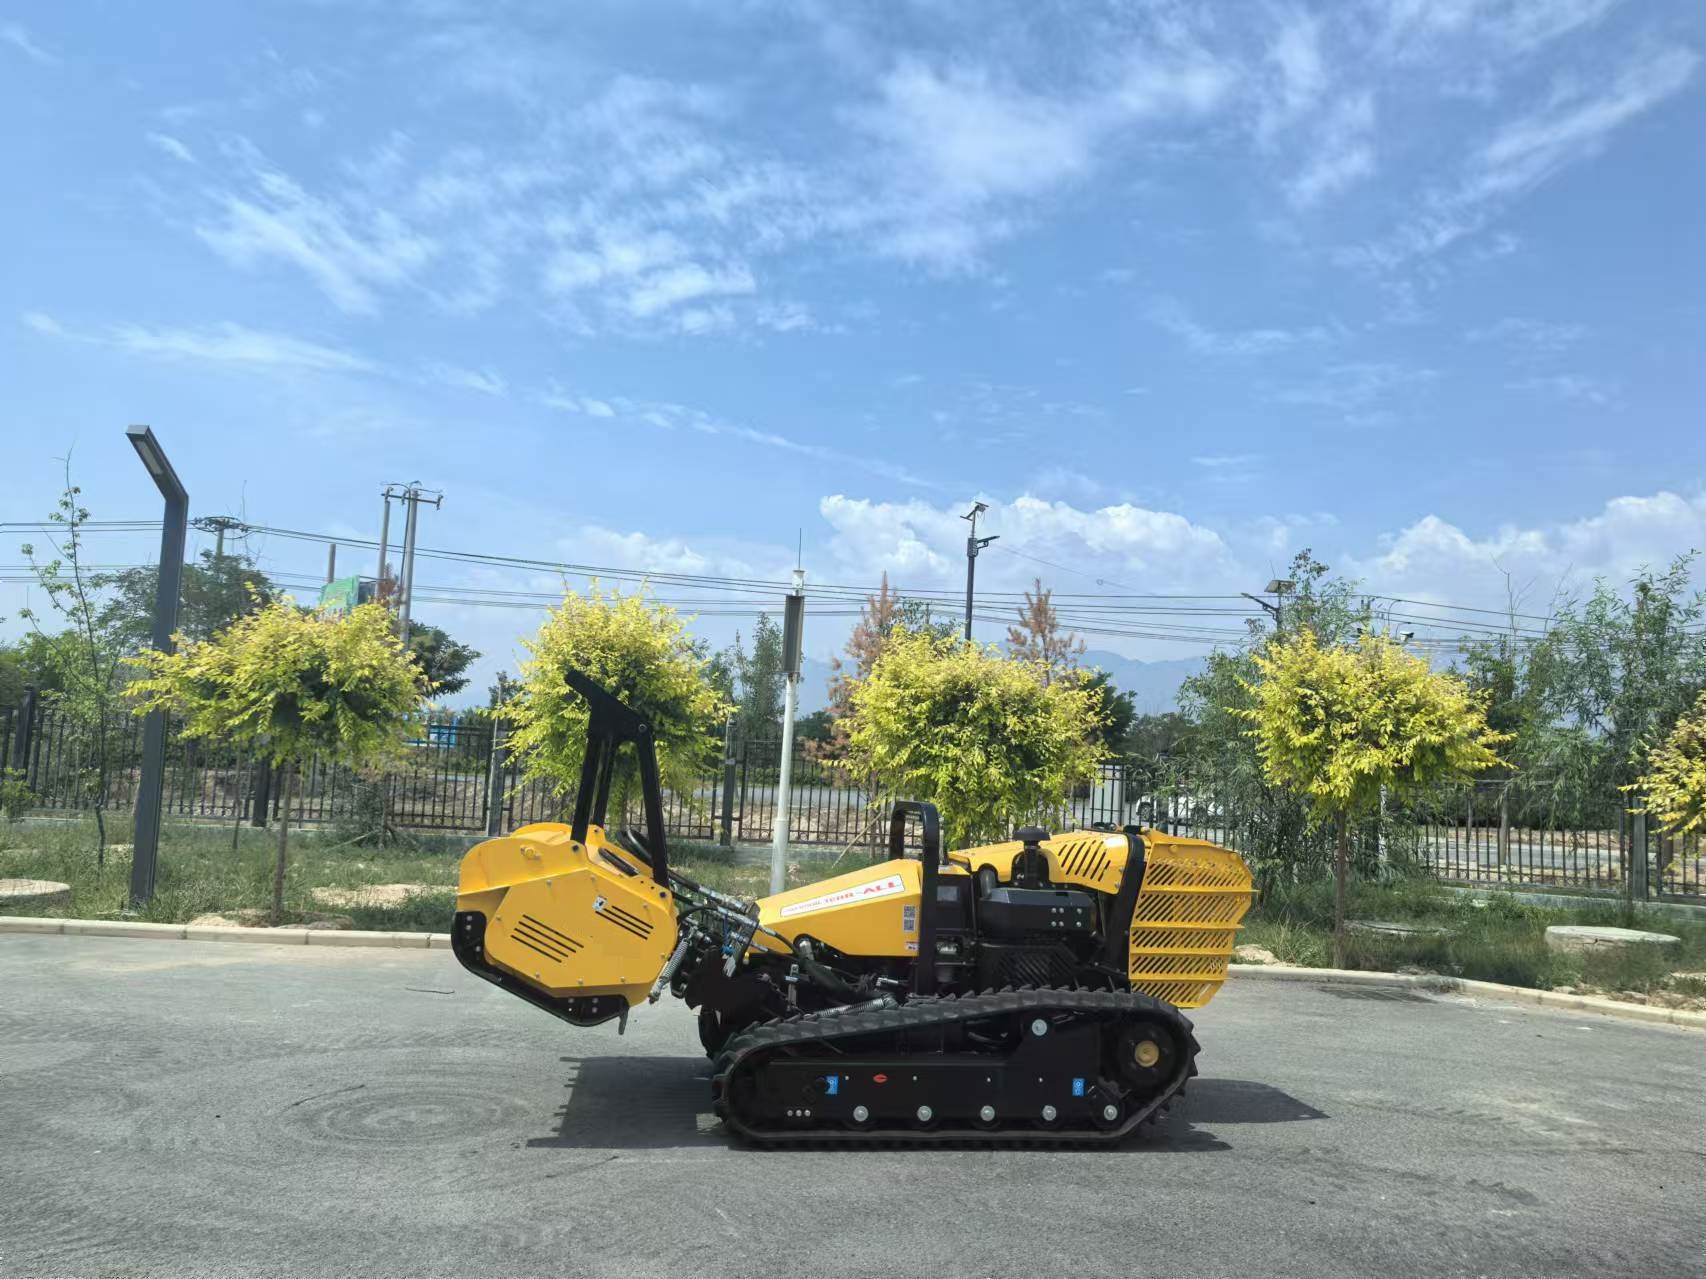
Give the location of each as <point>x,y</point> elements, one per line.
<point>885,887</point>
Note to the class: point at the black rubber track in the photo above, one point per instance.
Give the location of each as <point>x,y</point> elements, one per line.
<point>748,1051</point>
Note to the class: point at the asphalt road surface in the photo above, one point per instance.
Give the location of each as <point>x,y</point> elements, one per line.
<point>215,1109</point>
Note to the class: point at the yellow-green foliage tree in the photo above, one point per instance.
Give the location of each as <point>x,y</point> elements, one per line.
<point>1674,785</point>
<point>292,685</point>
<point>989,740</point>
<point>641,652</point>
<point>1338,725</point>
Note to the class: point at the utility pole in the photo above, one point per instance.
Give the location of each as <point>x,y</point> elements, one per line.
<point>412,496</point>
<point>331,562</point>
<point>1279,588</point>
<point>974,544</point>
<point>793,623</point>
<point>218,525</point>
<point>384,542</point>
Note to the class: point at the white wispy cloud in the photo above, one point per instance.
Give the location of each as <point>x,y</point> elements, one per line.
<point>1310,111</point>
<point>1419,30</point>
<point>1340,151</point>
<point>15,35</point>
<point>1301,71</point>
<point>961,151</point>
<point>1568,386</point>
<point>1226,461</point>
<point>234,344</point>
<point>1530,334</point>
<point>1258,341</point>
<point>350,249</point>
<point>690,282</point>
<point>785,316</point>
<point>225,343</point>
<point>482,381</point>
<point>1354,389</point>
<point>641,206</point>
<point>665,415</point>
<point>171,146</point>
<point>1572,126</point>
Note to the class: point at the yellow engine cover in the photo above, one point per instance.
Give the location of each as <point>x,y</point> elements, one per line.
<point>567,919</point>
<point>1194,896</point>
<point>870,911</point>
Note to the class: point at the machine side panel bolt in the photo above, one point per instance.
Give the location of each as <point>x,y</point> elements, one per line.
<point>1039,1027</point>
<point>1049,1113</point>
<point>987,1114</point>
<point>925,1114</point>
<point>861,1114</point>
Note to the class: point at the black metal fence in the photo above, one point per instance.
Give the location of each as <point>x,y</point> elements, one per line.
<point>458,777</point>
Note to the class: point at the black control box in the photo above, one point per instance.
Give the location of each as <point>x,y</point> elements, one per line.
<point>1022,912</point>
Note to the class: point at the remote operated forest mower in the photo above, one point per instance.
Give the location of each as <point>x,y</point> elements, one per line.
<point>1027,991</point>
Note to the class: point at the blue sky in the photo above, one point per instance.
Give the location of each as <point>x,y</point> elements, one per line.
<point>1176,288</point>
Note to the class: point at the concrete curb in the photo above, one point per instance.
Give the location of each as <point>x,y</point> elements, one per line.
<point>1487,989</point>
<point>332,937</point>
<point>321,937</point>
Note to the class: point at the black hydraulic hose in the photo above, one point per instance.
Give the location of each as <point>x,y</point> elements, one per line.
<point>825,977</point>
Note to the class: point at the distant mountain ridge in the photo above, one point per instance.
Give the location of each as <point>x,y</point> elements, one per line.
<point>1154,686</point>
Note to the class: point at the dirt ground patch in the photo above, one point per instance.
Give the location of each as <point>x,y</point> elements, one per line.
<point>263,919</point>
<point>371,895</point>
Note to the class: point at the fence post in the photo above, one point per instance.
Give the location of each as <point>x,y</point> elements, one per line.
<point>26,726</point>
<point>745,767</point>
<point>1638,857</point>
<point>1505,824</point>
<point>495,780</point>
<point>725,835</point>
<point>262,798</point>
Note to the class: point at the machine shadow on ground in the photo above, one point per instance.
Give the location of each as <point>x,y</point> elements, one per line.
<point>640,1103</point>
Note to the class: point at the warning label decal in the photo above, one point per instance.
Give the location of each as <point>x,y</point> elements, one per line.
<point>888,886</point>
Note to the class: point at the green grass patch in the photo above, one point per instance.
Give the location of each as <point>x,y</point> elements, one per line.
<point>202,873</point>
<point>1496,937</point>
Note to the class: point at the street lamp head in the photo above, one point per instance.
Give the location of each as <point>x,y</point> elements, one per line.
<point>154,458</point>
<point>1280,586</point>
<point>977,509</point>
<point>148,449</point>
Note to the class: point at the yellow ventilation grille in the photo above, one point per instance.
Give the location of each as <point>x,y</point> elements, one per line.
<point>1086,861</point>
<point>1186,921</point>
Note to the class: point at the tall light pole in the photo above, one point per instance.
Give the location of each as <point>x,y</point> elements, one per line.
<point>146,849</point>
<point>974,544</point>
<point>793,625</point>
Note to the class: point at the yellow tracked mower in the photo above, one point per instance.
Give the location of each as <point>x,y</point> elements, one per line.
<point>1027,991</point>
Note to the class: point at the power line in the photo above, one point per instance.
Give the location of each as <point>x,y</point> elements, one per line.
<point>729,595</point>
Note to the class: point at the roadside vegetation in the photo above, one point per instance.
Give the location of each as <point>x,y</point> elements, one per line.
<point>202,875</point>
<point>1493,936</point>
<point>1312,747</point>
